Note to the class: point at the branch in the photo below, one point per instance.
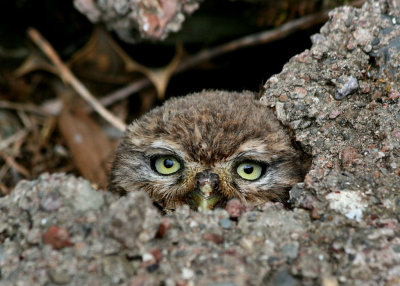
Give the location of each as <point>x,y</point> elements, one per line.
<point>70,78</point>
<point>13,138</point>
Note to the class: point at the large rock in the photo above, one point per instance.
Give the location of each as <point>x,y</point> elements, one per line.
<point>133,20</point>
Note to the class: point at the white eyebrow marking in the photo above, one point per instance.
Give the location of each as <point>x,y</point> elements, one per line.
<point>252,146</point>
<point>164,144</point>
<point>170,146</point>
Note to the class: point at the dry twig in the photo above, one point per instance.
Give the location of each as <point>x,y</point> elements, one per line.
<point>3,171</point>
<point>14,138</point>
<point>13,164</point>
<point>3,189</point>
<point>22,107</point>
<point>70,78</point>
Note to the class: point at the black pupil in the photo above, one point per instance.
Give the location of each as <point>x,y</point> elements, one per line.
<point>248,169</point>
<point>168,163</point>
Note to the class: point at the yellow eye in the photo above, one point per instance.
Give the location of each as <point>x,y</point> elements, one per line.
<point>249,171</point>
<point>167,165</point>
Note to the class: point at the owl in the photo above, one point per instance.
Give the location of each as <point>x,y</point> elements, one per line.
<point>205,149</point>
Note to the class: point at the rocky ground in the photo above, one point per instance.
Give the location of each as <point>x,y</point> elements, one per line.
<point>340,98</point>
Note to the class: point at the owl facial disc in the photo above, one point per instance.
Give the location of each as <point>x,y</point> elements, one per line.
<point>205,149</point>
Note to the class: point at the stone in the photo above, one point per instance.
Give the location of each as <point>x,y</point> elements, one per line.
<point>226,223</point>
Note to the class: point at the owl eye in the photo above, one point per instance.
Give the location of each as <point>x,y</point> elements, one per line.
<point>166,165</point>
<point>249,170</point>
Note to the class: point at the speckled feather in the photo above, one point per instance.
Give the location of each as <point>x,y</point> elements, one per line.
<point>211,130</point>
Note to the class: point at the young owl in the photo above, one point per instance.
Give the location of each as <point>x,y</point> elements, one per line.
<point>205,149</point>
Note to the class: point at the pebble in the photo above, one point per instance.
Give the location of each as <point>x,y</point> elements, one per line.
<point>234,208</point>
<point>299,92</point>
<point>34,236</point>
<point>349,203</point>
<point>225,223</point>
<point>142,280</point>
<point>295,193</point>
<point>59,277</point>
<point>315,215</point>
<point>290,251</point>
<point>50,202</point>
<point>376,95</point>
<point>152,267</point>
<point>328,280</point>
<point>349,86</point>
<point>393,94</point>
<point>157,254</point>
<point>349,155</point>
<point>335,113</point>
<point>304,57</point>
<point>396,248</point>
<point>283,98</point>
<point>187,273</point>
<point>216,238</point>
<point>146,257</point>
<point>251,216</point>
<point>164,226</point>
<point>117,268</point>
<point>375,41</point>
<point>86,198</point>
<point>57,237</point>
<point>283,278</point>
<point>307,202</point>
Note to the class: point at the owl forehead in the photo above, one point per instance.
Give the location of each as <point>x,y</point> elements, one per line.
<point>208,135</point>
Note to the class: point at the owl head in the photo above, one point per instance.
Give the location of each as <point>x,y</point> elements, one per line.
<point>205,149</point>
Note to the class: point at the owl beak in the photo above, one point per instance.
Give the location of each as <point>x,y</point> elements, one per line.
<point>205,195</point>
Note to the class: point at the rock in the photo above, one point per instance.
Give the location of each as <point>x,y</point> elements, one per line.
<point>57,237</point>
<point>283,278</point>
<point>50,202</point>
<point>117,268</point>
<point>84,198</point>
<point>290,251</point>
<point>299,92</point>
<point>142,280</point>
<point>345,87</point>
<point>187,273</point>
<point>164,226</point>
<point>216,238</point>
<point>349,155</point>
<point>349,203</point>
<point>133,20</point>
<point>226,223</point>
<point>234,208</point>
<point>59,277</point>
<point>133,219</point>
